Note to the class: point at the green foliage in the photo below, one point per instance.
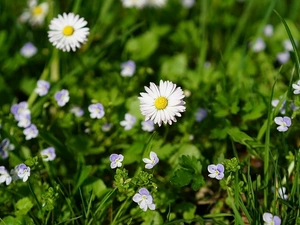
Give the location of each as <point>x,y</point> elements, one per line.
<point>207,50</point>
<point>189,172</point>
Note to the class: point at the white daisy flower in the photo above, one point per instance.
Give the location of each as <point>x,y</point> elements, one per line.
<point>35,14</point>
<point>134,3</point>
<point>156,3</point>
<point>67,32</point>
<point>162,103</point>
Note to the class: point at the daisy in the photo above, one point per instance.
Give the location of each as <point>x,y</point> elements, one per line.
<point>67,32</point>
<point>35,14</point>
<point>134,3</point>
<point>162,103</point>
<point>156,3</point>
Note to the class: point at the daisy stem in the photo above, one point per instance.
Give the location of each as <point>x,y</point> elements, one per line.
<point>54,75</point>
<point>33,94</point>
<point>76,6</point>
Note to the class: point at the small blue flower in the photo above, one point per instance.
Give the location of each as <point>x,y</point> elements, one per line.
<point>24,120</point>
<point>128,68</point>
<point>296,87</point>
<point>148,125</point>
<point>106,127</point>
<point>150,163</point>
<point>4,176</point>
<point>31,132</point>
<point>77,111</point>
<point>96,110</point>
<point>128,122</point>
<point>116,160</point>
<point>258,45</point>
<point>269,219</point>
<point>200,114</point>
<point>21,171</point>
<point>28,50</point>
<point>20,109</point>
<point>5,146</point>
<point>283,122</point>
<point>62,97</point>
<point>42,87</point>
<point>48,154</point>
<point>144,199</point>
<point>216,171</point>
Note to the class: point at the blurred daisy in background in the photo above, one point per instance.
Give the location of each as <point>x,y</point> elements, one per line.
<point>134,3</point>
<point>35,14</point>
<point>162,103</point>
<point>157,3</point>
<point>67,32</point>
<point>187,3</point>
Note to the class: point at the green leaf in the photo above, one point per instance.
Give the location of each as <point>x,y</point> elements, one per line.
<point>142,46</point>
<point>85,171</point>
<point>152,218</point>
<point>23,206</point>
<point>197,182</point>
<point>182,177</point>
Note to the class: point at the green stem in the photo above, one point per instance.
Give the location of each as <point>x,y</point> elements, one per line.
<point>120,211</point>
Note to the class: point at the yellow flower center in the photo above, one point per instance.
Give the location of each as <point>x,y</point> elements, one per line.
<point>37,10</point>
<point>161,102</point>
<point>68,31</point>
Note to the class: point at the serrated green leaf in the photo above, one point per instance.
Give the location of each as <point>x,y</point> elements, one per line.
<point>23,206</point>
<point>197,182</point>
<point>182,177</point>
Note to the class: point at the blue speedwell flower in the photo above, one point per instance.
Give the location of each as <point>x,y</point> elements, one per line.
<point>150,163</point>
<point>62,97</point>
<point>116,160</point>
<point>42,87</point>
<point>296,87</point>
<point>20,171</point>
<point>148,125</point>
<point>200,114</point>
<point>77,111</point>
<point>5,146</point>
<point>96,110</point>
<point>4,176</point>
<point>128,68</point>
<point>269,219</point>
<point>24,120</point>
<point>20,109</point>
<point>144,199</point>
<point>28,50</point>
<point>216,171</point>
<point>31,132</point>
<point>283,122</point>
<point>128,122</point>
<point>48,154</point>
